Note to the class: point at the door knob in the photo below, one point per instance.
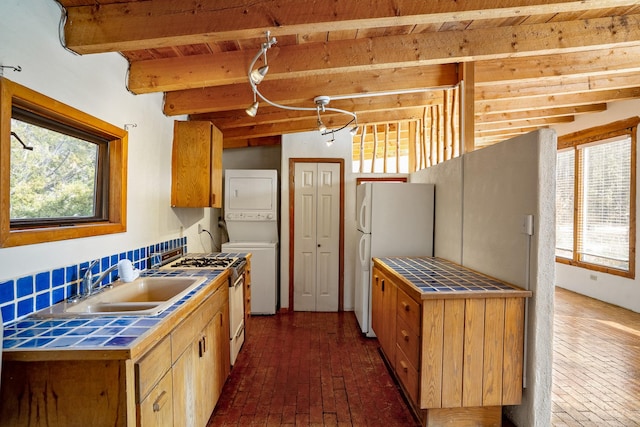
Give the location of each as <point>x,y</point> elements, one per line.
<point>318,245</point>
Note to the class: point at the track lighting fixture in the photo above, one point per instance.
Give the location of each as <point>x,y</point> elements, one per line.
<point>257,75</point>
<point>253,109</point>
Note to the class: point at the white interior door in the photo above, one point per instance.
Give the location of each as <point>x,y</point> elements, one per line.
<point>316,236</point>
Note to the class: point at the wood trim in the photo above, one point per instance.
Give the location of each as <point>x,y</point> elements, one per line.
<point>573,141</point>
<point>360,180</point>
<point>292,164</point>
<point>14,94</point>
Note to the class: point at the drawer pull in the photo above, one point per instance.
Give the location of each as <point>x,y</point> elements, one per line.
<point>404,366</point>
<point>405,335</point>
<point>160,401</point>
<point>406,306</point>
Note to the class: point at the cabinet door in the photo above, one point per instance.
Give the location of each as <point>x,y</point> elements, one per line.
<point>196,165</point>
<point>184,391</point>
<point>156,410</point>
<point>389,293</point>
<point>208,370</point>
<point>383,312</point>
<point>376,304</point>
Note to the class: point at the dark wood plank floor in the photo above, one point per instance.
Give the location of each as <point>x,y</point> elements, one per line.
<point>310,369</point>
<point>316,369</point>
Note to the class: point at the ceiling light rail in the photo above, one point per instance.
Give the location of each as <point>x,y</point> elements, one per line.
<point>256,75</point>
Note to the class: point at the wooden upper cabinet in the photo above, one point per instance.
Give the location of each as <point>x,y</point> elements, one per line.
<point>196,165</point>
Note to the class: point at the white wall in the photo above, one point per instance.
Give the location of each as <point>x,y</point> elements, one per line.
<point>313,144</point>
<point>481,200</point>
<point>447,178</point>
<point>95,84</point>
<point>606,287</point>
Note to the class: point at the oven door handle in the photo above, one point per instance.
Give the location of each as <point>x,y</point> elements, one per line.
<point>238,282</point>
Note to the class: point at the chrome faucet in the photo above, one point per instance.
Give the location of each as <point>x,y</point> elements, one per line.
<point>88,284</point>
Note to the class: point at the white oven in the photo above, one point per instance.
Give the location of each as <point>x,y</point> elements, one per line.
<point>236,316</point>
<point>177,260</point>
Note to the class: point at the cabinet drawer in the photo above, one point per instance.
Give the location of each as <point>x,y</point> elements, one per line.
<point>157,409</point>
<point>152,367</point>
<point>407,374</point>
<point>408,341</point>
<point>409,310</point>
<point>187,331</point>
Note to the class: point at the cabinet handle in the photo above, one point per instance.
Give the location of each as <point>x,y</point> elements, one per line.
<point>382,285</point>
<point>404,366</point>
<point>200,348</point>
<point>405,335</point>
<point>406,306</point>
<point>160,401</point>
<point>204,343</point>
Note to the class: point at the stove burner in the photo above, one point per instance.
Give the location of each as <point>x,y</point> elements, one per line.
<point>203,262</point>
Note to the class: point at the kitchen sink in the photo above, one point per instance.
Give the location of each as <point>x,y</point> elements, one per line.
<point>145,296</point>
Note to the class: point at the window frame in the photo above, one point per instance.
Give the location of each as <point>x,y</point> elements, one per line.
<point>574,141</point>
<point>16,95</point>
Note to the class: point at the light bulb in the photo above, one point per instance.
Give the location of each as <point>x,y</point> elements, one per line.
<point>252,110</point>
<point>258,74</point>
<point>321,126</point>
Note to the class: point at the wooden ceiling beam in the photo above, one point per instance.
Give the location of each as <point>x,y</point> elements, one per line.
<point>252,142</point>
<point>379,53</point>
<point>586,63</point>
<point>543,102</point>
<point>540,113</point>
<point>302,91</point>
<point>558,85</point>
<point>160,23</point>
<point>525,123</point>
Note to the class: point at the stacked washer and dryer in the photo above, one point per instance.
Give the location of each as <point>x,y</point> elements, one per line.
<point>251,217</point>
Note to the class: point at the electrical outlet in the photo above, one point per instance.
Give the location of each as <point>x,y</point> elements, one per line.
<point>527,225</point>
<point>199,228</point>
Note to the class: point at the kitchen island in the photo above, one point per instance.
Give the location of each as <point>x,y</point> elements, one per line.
<point>454,338</point>
<point>106,370</point>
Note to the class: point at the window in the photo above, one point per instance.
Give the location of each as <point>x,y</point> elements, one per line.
<point>63,172</point>
<point>595,198</point>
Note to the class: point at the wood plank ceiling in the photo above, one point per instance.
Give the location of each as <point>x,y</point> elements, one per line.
<point>536,62</point>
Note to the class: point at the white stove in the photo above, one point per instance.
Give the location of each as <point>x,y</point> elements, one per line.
<point>176,260</point>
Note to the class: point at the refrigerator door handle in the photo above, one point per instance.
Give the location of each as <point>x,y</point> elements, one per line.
<point>361,216</point>
<point>362,249</point>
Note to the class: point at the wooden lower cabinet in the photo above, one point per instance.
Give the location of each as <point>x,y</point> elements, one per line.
<point>458,360</point>
<point>200,370</point>
<point>176,382</point>
<point>383,317</point>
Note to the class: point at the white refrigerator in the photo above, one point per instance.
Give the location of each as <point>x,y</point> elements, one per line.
<point>393,219</point>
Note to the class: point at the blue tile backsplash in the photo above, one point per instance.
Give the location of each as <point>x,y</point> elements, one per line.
<point>22,296</point>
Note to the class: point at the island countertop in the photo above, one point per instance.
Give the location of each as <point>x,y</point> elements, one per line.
<point>435,278</point>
